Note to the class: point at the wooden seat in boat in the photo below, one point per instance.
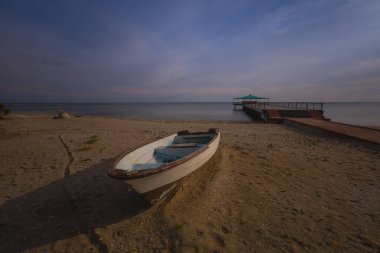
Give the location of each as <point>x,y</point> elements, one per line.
<point>183,145</point>
<point>175,151</point>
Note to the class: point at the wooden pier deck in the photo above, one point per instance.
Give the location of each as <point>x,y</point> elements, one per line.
<point>356,132</point>
<point>306,114</point>
<point>275,112</point>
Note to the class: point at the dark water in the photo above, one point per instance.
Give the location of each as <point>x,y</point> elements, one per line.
<point>364,114</point>
<point>180,111</point>
<point>367,114</point>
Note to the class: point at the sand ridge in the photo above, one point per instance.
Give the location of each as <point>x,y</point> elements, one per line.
<point>269,188</point>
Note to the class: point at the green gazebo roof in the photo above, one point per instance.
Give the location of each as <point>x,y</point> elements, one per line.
<point>250,97</point>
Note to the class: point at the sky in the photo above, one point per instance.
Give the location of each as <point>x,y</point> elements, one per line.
<point>188,50</point>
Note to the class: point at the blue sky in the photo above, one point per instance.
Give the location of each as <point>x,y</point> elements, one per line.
<point>127,51</point>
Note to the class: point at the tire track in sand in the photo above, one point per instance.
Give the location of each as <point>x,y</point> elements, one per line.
<point>82,224</point>
<point>71,157</point>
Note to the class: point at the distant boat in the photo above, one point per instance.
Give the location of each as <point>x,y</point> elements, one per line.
<point>153,169</point>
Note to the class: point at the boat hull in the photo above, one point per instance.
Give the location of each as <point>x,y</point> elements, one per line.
<point>156,187</point>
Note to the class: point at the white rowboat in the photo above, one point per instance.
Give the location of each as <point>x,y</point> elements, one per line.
<point>153,169</point>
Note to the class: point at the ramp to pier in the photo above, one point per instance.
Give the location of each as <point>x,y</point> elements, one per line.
<point>356,132</point>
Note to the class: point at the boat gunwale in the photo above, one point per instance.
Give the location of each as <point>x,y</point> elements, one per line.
<point>125,175</point>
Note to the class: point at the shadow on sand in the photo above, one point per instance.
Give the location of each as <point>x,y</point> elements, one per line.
<point>74,205</point>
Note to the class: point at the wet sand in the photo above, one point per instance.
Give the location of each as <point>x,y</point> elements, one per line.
<point>269,188</point>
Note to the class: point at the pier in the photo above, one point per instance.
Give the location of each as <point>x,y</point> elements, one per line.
<point>274,112</point>
<point>303,115</point>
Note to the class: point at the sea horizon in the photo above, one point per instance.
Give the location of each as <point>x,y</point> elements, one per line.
<point>184,102</point>
<point>355,113</point>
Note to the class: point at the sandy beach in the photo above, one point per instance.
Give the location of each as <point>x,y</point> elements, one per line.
<point>269,188</point>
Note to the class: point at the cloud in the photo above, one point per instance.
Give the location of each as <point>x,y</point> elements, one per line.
<point>191,51</point>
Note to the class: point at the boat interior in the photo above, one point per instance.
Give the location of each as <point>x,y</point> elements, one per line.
<point>164,151</point>
<point>180,147</point>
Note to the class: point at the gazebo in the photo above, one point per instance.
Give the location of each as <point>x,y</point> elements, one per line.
<point>247,99</point>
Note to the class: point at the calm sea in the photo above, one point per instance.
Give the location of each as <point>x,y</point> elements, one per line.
<point>367,114</point>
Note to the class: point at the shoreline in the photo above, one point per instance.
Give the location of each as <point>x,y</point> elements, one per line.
<point>24,115</point>
<point>354,113</point>
<point>268,188</point>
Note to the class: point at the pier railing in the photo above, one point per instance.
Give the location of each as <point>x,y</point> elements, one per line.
<point>289,105</point>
